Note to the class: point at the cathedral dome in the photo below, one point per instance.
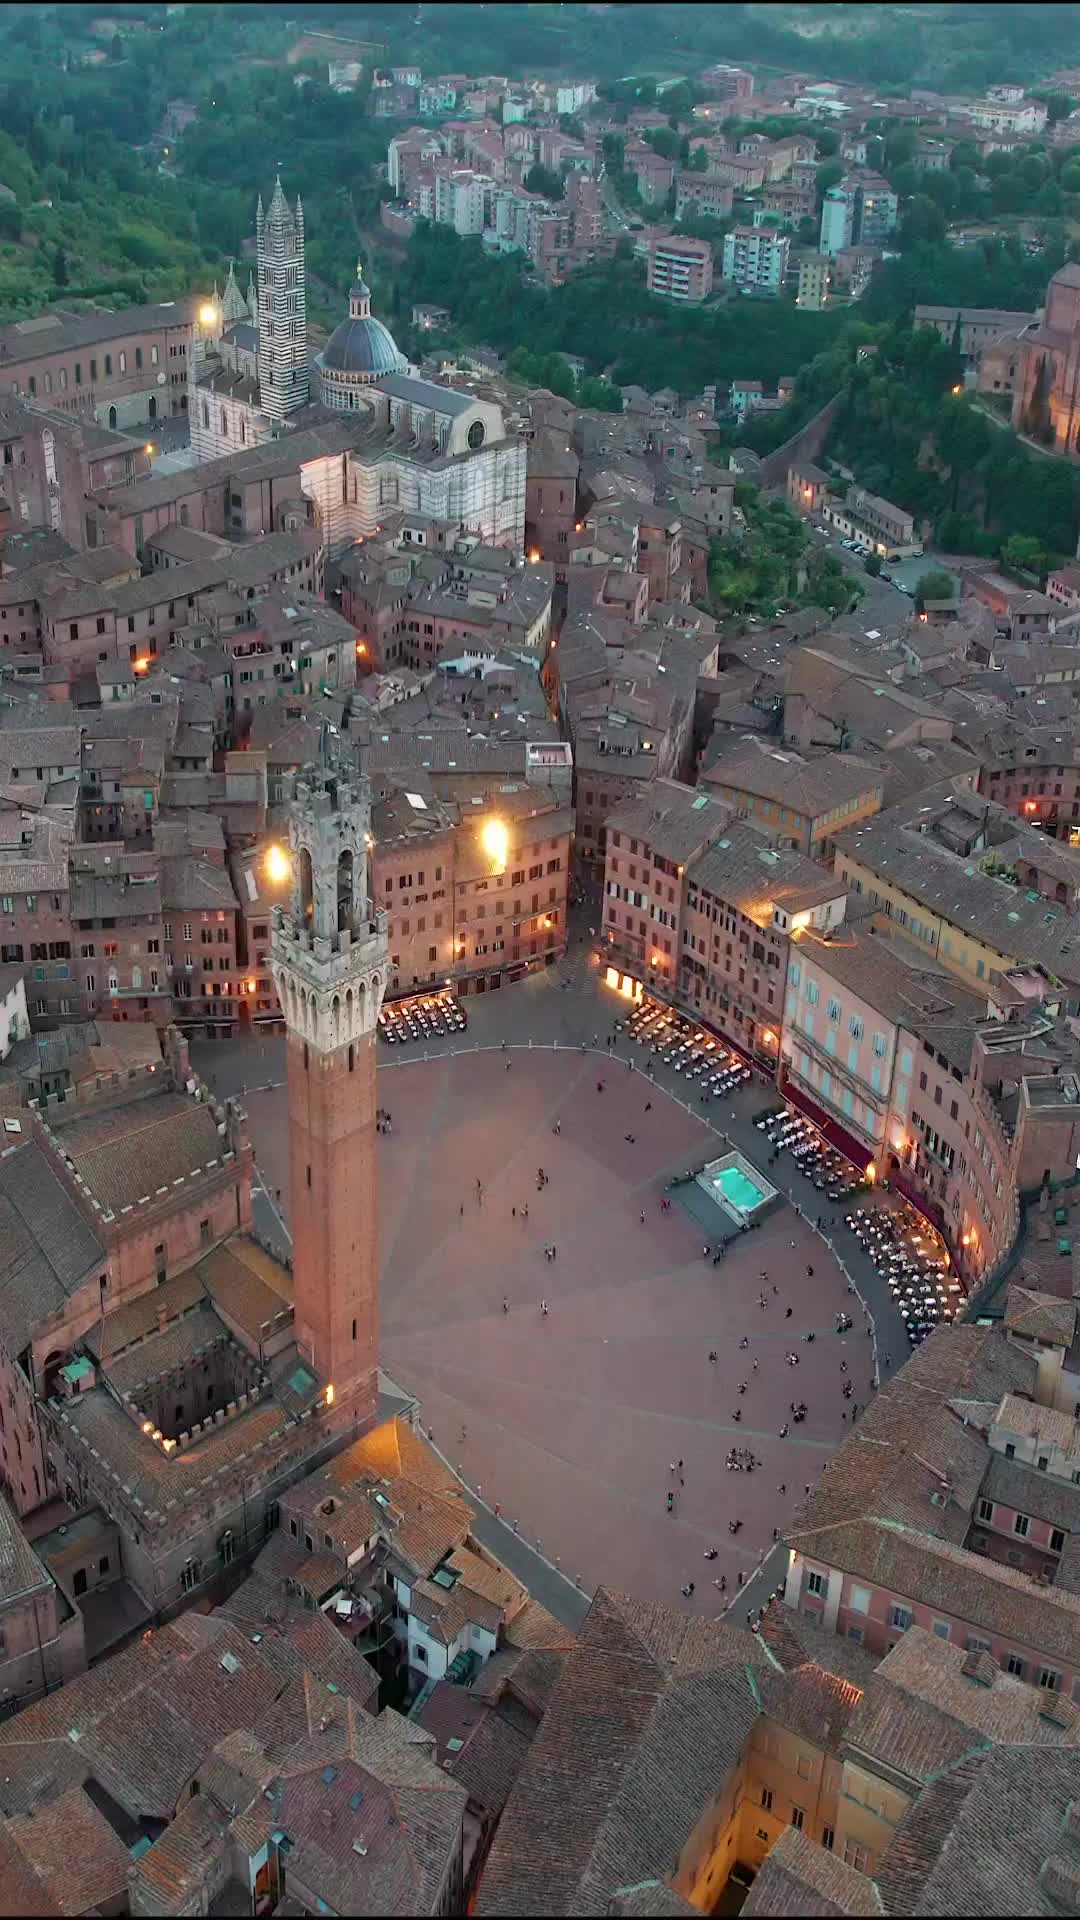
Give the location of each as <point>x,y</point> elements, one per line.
<point>358,353</point>
<point>362,346</point>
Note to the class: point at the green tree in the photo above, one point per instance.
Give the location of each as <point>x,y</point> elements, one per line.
<point>116,48</point>
<point>829,175</point>
<point>964,155</point>
<point>664,142</point>
<point>900,145</point>
<point>923,222</point>
<point>1024,553</point>
<point>934,584</point>
<point>60,268</point>
<point>699,160</point>
<point>872,564</point>
<point>542,180</point>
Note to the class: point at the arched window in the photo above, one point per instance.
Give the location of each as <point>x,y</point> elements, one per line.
<point>307,894</point>
<point>205,414</point>
<point>153,408</point>
<point>344,891</point>
<point>224,425</point>
<point>112,416</point>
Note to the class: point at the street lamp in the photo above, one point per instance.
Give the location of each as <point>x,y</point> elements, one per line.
<point>495,841</point>
<point>278,865</point>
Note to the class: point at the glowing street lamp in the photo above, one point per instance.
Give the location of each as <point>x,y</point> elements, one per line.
<point>278,865</point>
<point>495,841</point>
<point>208,314</point>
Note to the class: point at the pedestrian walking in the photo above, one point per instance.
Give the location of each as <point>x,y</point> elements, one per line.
<point>643,1216</point>
<point>648,1106</point>
<point>506,1304</point>
<point>543,1309</point>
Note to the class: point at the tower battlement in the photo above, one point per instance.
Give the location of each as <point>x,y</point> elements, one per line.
<point>330,960</point>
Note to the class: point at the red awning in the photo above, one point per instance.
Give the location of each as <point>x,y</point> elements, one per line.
<point>846,1143</point>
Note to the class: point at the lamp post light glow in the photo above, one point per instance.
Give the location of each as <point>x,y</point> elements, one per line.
<point>495,841</point>
<point>208,315</point>
<point>278,865</point>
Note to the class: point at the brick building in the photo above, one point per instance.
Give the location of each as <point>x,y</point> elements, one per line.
<point>680,268</point>
<point>121,369</point>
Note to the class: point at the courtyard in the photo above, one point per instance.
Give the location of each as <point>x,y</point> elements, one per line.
<point>569,1423</point>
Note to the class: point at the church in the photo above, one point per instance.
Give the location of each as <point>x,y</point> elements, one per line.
<point>419,445</point>
<point>251,377</point>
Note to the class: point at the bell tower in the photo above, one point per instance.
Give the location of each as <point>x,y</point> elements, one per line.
<point>284,381</point>
<point>330,964</point>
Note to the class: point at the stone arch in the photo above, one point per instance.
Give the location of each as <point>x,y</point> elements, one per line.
<point>335,1017</point>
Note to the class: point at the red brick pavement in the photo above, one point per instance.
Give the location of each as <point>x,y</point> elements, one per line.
<point>572,1420</point>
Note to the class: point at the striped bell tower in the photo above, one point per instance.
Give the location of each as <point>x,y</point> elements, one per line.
<point>283,356</point>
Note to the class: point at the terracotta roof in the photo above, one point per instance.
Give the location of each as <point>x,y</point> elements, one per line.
<point>811,1702</point>
<point>47,1249</point>
<point>973,1691</point>
<point>21,1572</point>
<point>475,1742</point>
<point>995,1838</point>
<point>1030,1422</point>
<point>246,1284</point>
<point>1039,1316</point>
<point>24,1895</point>
<point>949,1580</point>
<point>798,1877</point>
<point>183,1859</point>
<point>650,1705</point>
<point>82,1865</point>
<point>806,787</point>
<point>653,1900</point>
<point>137,1318</point>
<point>129,1153</point>
<point>910,1444</point>
<point>385,1793</point>
<point>1041,1495</point>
